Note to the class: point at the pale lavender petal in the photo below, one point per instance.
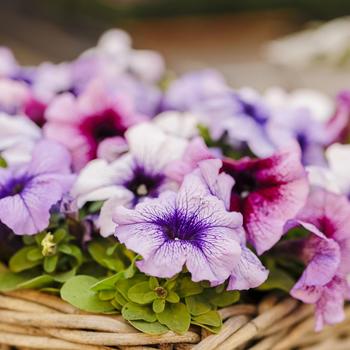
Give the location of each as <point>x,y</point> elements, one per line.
<point>248,273</point>
<point>29,212</point>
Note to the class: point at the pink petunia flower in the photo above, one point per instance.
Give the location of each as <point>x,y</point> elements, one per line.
<point>327,255</point>
<point>268,192</point>
<point>83,123</point>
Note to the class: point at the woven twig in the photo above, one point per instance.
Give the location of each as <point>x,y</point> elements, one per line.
<point>98,323</point>
<point>50,301</point>
<point>268,342</point>
<point>42,342</point>
<point>115,339</point>
<point>22,305</point>
<point>230,327</point>
<point>298,315</point>
<point>237,310</point>
<point>31,320</point>
<point>260,323</point>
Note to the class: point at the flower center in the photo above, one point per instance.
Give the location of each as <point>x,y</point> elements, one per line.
<point>161,292</point>
<point>13,187</point>
<point>255,112</point>
<point>244,183</point>
<point>100,126</point>
<point>143,184</point>
<point>302,140</point>
<point>178,226</point>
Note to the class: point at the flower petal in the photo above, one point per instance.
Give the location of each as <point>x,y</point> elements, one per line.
<point>248,273</point>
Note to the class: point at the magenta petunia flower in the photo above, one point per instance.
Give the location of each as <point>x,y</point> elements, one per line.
<point>327,255</point>
<point>191,227</point>
<point>82,124</point>
<point>268,192</point>
<point>28,192</point>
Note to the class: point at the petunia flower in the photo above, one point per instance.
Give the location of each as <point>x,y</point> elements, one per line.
<point>268,192</point>
<point>326,252</point>
<point>83,123</point>
<point>178,124</point>
<point>13,96</point>
<point>249,271</point>
<point>134,176</point>
<point>28,192</point>
<point>334,177</point>
<point>190,228</point>
<point>8,64</point>
<point>18,136</point>
<point>114,55</point>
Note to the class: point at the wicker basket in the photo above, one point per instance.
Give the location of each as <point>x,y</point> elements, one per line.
<point>32,320</point>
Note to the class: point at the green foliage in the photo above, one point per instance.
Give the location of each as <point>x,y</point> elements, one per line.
<point>176,317</point>
<point>278,278</point>
<point>106,280</point>
<point>47,259</point>
<point>110,254</point>
<point>76,291</point>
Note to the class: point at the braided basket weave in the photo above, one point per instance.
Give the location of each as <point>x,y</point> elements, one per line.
<point>32,320</point>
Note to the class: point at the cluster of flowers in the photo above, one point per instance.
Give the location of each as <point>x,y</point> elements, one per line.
<point>188,173</point>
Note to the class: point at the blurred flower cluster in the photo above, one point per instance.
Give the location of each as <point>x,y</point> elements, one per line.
<point>170,195</point>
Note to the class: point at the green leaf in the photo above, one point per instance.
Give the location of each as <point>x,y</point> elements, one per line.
<point>132,311</point>
<point>63,277</point>
<point>158,305</point>
<point>9,280</point>
<point>153,283</point>
<point>154,328</point>
<point>109,282</point>
<point>224,299</point>
<point>187,287</point>
<point>95,207</point>
<point>50,263</point>
<point>176,317</point>
<point>39,237</point>
<point>77,291</point>
<point>106,295</point>
<point>98,251</point>
<point>34,254</point>
<point>3,163</point>
<point>197,305</point>
<point>171,283</point>
<point>123,285</point>
<point>120,298</point>
<point>3,268</point>
<point>59,235</point>
<point>209,328</point>
<point>278,279</point>
<point>28,240</point>
<point>20,262</point>
<point>172,297</point>
<point>71,250</point>
<point>210,318</point>
<point>36,282</point>
<point>141,294</point>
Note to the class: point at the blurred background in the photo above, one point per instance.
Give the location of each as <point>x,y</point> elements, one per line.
<point>238,37</point>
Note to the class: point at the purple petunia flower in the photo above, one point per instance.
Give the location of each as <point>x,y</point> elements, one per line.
<point>327,254</point>
<point>189,228</point>
<point>249,271</point>
<point>28,192</point>
<point>134,176</point>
